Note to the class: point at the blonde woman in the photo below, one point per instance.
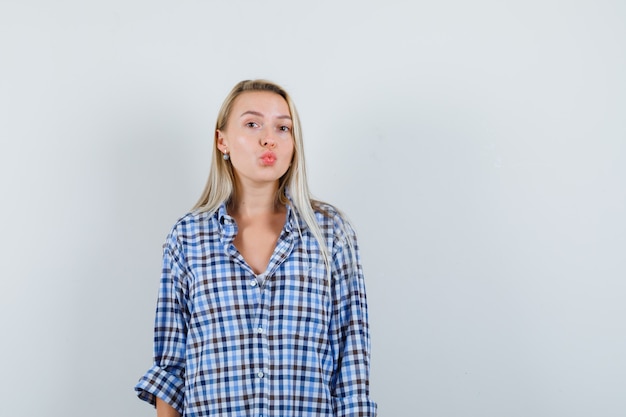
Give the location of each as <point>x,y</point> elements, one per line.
<point>262,309</point>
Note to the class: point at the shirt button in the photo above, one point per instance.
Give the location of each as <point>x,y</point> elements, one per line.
<point>259,330</point>
<point>260,374</point>
<point>253,283</point>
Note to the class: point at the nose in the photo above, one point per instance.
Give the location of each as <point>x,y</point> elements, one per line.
<point>267,140</point>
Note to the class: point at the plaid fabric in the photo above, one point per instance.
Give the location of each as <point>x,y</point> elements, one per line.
<point>293,346</point>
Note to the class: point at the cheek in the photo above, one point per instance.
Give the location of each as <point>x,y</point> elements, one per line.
<point>290,149</point>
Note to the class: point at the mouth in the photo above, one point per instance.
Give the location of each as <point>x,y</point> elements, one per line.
<point>268,158</point>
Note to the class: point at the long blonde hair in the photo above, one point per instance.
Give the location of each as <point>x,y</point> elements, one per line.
<point>221,184</point>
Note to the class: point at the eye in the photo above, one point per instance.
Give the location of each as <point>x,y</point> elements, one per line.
<point>285,128</point>
<point>252,124</point>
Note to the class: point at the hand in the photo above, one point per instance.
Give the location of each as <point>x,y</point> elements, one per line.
<point>165,410</point>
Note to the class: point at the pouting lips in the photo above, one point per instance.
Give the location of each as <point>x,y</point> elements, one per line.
<point>268,158</point>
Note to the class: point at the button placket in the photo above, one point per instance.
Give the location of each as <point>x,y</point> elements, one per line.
<point>260,331</point>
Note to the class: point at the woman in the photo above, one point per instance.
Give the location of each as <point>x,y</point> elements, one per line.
<point>262,309</point>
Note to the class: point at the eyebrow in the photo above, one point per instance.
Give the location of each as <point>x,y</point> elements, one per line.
<point>256,113</point>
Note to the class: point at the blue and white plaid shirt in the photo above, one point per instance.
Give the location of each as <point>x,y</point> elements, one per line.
<point>285,345</point>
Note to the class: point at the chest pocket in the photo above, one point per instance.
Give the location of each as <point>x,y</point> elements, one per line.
<point>302,307</point>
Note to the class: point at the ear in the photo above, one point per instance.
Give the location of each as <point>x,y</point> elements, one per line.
<point>222,144</point>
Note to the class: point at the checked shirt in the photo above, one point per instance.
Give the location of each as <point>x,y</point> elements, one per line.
<point>286,343</point>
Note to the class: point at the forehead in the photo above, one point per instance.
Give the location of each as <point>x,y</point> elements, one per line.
<point>260,101</point>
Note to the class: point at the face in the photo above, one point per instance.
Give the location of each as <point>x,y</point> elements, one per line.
<point>258,137</point>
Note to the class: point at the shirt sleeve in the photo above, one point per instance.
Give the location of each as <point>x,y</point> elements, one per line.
<point>349,332</point>
<point>165,379</point>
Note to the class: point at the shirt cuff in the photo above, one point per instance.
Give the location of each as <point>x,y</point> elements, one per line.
<point>354,406</point>
<point>158,382</point>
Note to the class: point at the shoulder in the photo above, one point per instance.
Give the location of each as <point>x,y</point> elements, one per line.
<point>191,227</point>
<point>333,221</point>
<point>195,221</point>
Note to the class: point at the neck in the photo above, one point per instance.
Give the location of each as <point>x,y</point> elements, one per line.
<point>251,201</point>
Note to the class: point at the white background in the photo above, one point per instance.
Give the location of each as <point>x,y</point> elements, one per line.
<point>478,147</point>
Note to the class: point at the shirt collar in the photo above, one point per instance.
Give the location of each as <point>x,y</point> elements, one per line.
<point>228,226</point>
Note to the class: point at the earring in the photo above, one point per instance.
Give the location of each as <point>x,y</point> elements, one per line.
<point>226,157</point>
